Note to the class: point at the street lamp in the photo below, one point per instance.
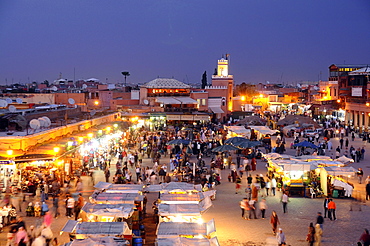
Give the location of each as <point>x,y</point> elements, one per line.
<point>56,150</point>
<point>9,152</point>
<point>96,103</point>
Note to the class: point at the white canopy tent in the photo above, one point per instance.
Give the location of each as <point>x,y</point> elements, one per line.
<point>182,241</point>
<point>87,229</point>
<point>239,131</point>
<point>335,172</point>
<point>178,229</point>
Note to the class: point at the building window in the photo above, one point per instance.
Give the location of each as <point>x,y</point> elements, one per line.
<point>204,102</point>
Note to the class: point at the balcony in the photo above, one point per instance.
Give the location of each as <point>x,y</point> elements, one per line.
<point>356,100</point>
<point>180,110</point>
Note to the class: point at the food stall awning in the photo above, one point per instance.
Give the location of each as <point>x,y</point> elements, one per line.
<point>264,130</point>
<point>240,130</point>
<point>100,228</point>
<point>179,209</point>
<point>186,100</point>
<point>344,159</point>
<point>181,241</point>
<point>216,110</point>
<point>115,198</point>
<point>90,207</point>
<point>340,171</point>
<point>99,241</point>
<point>173,186</point>
<point>176,229</point>
<point>312,157</point>
<point>180,186</point>
<point>193,198</point>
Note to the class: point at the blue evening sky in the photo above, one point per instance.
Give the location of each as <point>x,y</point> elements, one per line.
<point>272,40</point>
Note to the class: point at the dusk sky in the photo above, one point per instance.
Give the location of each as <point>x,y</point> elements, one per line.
<point>277,41</point>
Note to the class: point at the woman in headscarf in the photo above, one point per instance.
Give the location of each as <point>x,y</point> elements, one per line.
<point>21,237</point>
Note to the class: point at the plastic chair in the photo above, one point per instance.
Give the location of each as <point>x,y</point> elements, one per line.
<point>313,194</point>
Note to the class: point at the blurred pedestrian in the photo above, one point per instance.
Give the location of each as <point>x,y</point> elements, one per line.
<point>318,235</point>
<point>238,182</point>
<point>274,221</point>
<point>285,200</point>
<point>244,207</point>
<point>263,207</point>
<point>332,207</point>
<point>320,220</point>
<point>56,206</point>
<point>365,238</point>
<point>21,237</point>
<point>326,202</point>
<point>280,237</point>
<point>360,175</point>
<point>252,209</point>
<point>310,238</point>
<point>79,204</point>
<point>367,191</point>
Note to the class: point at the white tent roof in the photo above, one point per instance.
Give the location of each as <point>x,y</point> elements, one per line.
<point>340,171</point>
<point>98,241</point>
<point>175,229</point>
<point>105,186</point>
<point>344,159</point>
<point>193,198</point>
<point>115,198</point>
<point>263,130</point>
<point>181,241</point>
<point>100,228</point>
<point>240,130</point>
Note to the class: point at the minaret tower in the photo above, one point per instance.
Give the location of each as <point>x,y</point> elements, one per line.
<point>223,78</point>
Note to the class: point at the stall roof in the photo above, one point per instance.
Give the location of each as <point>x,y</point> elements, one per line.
<point>181,241</point>
<point>115,198</point>
<point>174,229</point>
<point>263,130</point>
<point>340,171</point>
<point>100,228</point>
<point>240,130</point>
<point>89,207</point>
<point>181,198</point>
<point>99,241</point>
<point>173,186</point>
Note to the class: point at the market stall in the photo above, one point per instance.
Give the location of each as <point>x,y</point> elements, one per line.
<point>106,212</point>
<point>181,241</point>
<point>99,241</point>
<point>328,175</point>
<point>83,230</point>
<point>183,229</point>
<point>116,198</point>
<point>126,188</point>
<point>183,212</point>
<point>188,198</point>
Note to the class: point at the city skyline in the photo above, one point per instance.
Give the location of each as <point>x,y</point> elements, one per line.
<point>277,41</point>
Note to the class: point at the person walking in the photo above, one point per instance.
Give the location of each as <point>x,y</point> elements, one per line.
<point>310,238</point>
<point>320,220</point>
<point>360,175</point>
<point>285,200</point>
<point>107,175</point>
<point>79,204</point>
<point>252,209</point>
<point>367,190</point>
<point>274,221</point>
<point>244,207</point>
<point>238,182</point>
<point>365,238</point>
<point>332,207</point>
<point>56,206</point>
<point>263,207</point>
<point>70,204</point>
<point>280,237</point>
<point>273,186</point>
<point>318,235</point>
<point>326,201</point>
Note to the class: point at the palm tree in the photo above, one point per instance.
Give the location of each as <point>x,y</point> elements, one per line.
<point>125,74</point>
